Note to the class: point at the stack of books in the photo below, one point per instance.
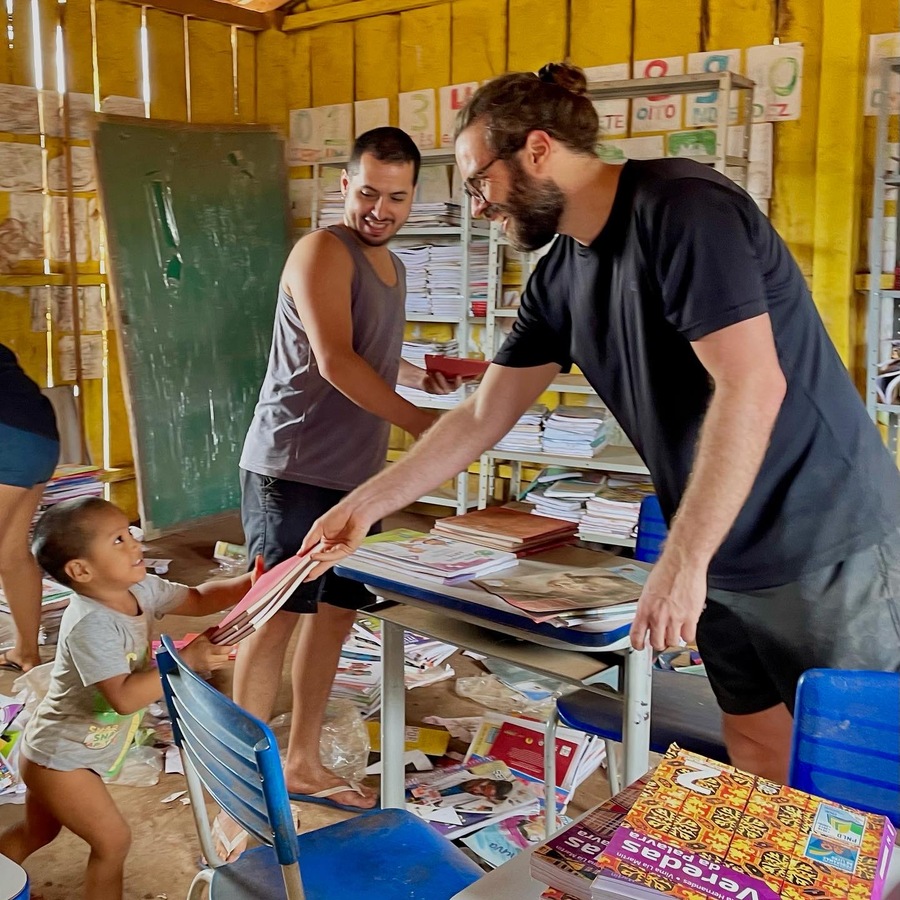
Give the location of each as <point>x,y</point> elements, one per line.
<point>358,677</point>
<point>566,498</point>
<point>415,259</point>
<point>445,291</point>
<point>432,557</point>
<point>54,600</point>
<point>702,829</point>
<point>69,482</point>
<point>478,277</point>
<point>525,435</point>
<point>613,511</point>
<point>575,431</point>
<point>507,529</point>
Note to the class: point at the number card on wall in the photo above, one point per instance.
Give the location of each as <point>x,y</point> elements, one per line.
<point>702,109</point>
<point>777,70</point>
<point>650,147</point>
<point>882,46</point>
<point>417,117</point>
<point>613,114</point>
<point>369,114</point>
<point>336,123</point>
<point>452,99</point>
<point>658,112</point>
<point>304,135</point>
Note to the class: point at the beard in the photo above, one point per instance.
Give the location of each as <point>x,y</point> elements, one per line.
<point>533,209</point>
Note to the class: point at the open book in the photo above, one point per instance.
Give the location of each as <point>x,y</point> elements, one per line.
<point>263,600</point>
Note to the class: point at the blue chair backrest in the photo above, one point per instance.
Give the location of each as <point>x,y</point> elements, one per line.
<point>846,740</point>
<point>234,754</point>
<point>651,531</point>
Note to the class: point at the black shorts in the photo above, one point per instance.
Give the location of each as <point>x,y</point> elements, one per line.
<point>756,645</point>
<point>276,515</point>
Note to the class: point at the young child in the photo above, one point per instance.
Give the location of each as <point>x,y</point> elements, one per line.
<point>102,679</point>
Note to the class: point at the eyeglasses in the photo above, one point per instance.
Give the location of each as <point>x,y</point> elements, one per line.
<point>473,185</point>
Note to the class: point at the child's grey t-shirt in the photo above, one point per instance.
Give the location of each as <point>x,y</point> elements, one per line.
<point>74,726</point>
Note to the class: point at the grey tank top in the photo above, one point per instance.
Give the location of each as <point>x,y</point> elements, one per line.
<point>304,429</point>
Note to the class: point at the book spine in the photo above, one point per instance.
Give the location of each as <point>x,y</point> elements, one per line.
<point>888,837</point>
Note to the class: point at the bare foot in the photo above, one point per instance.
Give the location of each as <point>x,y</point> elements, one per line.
<point>312,783</point>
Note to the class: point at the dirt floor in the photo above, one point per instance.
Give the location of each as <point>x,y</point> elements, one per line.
<point>165,851</point>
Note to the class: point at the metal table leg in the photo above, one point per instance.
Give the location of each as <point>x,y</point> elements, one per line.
<point>393,716</point>
<point>636,713</point>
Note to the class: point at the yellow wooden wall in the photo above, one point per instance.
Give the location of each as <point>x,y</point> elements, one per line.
<point>821,183</point>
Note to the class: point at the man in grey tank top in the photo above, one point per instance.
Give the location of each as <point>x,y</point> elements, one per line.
<point>320,429</point>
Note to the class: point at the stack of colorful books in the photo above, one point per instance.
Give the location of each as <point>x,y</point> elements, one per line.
<point>505,528</point>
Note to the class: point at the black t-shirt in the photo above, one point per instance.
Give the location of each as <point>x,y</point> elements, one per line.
<point>22,405</point>
<point>685,253</point>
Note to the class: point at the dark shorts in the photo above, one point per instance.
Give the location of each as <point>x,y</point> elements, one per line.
<point>26,459</point>
<point>276,515</point>
<point>756,645</point>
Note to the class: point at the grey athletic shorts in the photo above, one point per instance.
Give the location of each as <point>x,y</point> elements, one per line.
<point>276,515</point>
<point>756,645</point>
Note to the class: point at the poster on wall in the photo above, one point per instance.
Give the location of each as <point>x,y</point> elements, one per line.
<point>304,136</point>
<point>20,167</point>
<point>336,130</point>
<point>418,117</point>
<point>613,114</point>
<point>777,70</point>
<point>369,114</point>
<point>617,151</point>
<point>453,98</point>
<point>702,109</point>
<point>19,109</point>
<point>882,46</point>
<point>300,192</point>
<point>658,112</point>
<point>91,357</point>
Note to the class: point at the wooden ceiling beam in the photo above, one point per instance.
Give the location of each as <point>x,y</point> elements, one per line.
<point>213,10</point>
<point>347,12</point>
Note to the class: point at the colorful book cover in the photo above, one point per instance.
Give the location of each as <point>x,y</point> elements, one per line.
<point>701,829</point>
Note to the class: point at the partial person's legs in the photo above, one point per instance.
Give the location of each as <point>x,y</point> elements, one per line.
<point>315,664</point>
<point>20,576</point>
<point>760,742</point>
<point>80,801</point>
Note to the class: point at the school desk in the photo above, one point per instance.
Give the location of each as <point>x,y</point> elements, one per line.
<point>473,619</point>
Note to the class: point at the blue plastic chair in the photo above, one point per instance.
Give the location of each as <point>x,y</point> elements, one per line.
<point>377,855</point>
<point>651,530</point>
<point>683,710</point>
<point>14,883</point>
<point>846,739</point>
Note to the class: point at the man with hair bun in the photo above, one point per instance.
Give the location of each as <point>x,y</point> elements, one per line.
<point>683,307</point>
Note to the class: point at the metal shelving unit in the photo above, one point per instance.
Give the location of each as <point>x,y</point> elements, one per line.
<point>883,314</point>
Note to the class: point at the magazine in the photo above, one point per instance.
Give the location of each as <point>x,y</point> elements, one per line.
<point>463,798</point>
<point>502,841</point>
<point>588,588</point>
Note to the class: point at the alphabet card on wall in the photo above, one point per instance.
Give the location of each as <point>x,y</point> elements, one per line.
<point>658,112</point>
<point>453,98</point>
<point>777,71</point>
<point>702,109</point>
<point>304,137</point>
<point>336,126</point>
<point>613,114</point>
<point>418,117</point>
<point>369,114</point>
<point>882,46</point>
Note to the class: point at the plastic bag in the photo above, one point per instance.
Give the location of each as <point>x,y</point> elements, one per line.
<point>35,682</point>
<point>489,691</point>
<point>141,767</point>
<point>344,745</point>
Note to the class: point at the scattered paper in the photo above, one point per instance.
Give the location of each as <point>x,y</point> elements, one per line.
<point>415,758</point>
<point>159,566</point>
<point>173,763</point>
<point>172,797</point>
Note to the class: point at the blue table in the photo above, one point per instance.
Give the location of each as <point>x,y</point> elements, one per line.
<point>448,613</point>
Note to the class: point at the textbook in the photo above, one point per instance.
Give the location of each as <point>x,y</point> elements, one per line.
<point>433,557</point>
<point>263,600</point>
<point>702,829</point>
<point>568,861</point>
<point>456,366</point>
<point>507,529</point>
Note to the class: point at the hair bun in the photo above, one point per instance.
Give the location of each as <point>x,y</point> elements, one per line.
<point>565,76</point>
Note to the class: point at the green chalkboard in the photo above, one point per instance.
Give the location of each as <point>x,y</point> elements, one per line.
<point>198,229</point>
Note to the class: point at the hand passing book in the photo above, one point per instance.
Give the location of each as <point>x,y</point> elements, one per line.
<point>270,592</point>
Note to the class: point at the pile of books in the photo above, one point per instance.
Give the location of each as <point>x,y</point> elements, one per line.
<point>445,292</point>
<point>69,482</point>
<point>526,433</point>
<point>415,260</point>
<point>613,511</point>
<point>54,600</point>
<point>565,497</point>
<point>478,277</point>
<point>358,677</point>
<point>505,528</point>
<point>432,557</point>
<point>575,431</point>
<point>701,829</point>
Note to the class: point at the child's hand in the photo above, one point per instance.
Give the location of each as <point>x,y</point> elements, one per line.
<point>258,568</point>
<point>203,656</point>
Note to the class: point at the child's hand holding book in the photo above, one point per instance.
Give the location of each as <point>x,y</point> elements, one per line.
<point>204,656</point>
